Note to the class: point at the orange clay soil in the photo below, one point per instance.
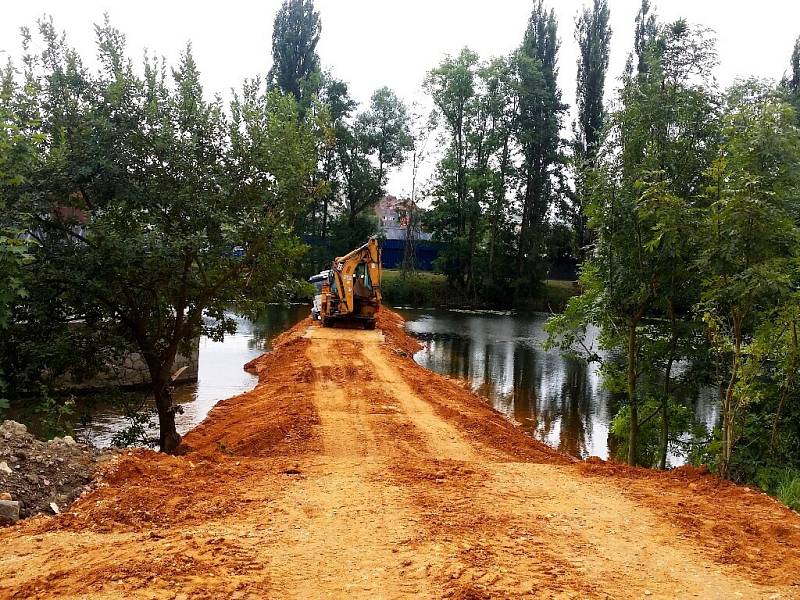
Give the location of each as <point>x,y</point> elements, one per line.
<point>349,471</point>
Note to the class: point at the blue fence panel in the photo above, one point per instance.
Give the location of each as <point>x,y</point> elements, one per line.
<point>393,251</point>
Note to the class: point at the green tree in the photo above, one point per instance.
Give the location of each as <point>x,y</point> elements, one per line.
<point>476,103</point>
<point>366,149</point>
<point>452,88</point>
<point>384,129</point>
<point>295,63</point>
<point>16,151</point>
<point>647,195</point>
<point>538,135</point>
<point>593,35</point>
<point>361,184</point>
<point>142,190</point>
<point>751,232</point>
<point>336,108</point>
<point>791,82</point>
<point>645,34</point>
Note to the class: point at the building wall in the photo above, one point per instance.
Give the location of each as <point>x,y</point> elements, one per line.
<point>392,225</point>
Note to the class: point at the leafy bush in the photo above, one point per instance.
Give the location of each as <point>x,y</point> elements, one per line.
<point>417,289</point>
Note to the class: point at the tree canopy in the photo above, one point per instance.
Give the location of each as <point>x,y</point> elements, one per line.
<point>295,63</point>
<point>140,193</point>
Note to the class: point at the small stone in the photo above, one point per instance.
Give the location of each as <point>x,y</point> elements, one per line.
<point>54,507</point>
<point>648,593</point>
<point>9,512</point>
<point>4,468</point>
<point>68,440</point>
<point>5,496</point>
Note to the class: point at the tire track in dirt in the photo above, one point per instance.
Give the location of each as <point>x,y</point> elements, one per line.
<point>443,440</point>
<point>560,542</point>
<point>357,534</point>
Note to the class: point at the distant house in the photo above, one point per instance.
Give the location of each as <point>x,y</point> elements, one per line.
<point>392,216</point>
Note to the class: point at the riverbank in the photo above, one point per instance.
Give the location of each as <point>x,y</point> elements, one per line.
<point>431,290</point>
<point>352,471</point>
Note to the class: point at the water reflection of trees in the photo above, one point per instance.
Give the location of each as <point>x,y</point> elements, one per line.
<point>561,401</point>
<point>549,395</point>
<point>274,320</point>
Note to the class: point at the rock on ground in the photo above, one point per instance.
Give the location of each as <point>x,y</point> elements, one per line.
<point>9,512</point>
<point>35,473</point>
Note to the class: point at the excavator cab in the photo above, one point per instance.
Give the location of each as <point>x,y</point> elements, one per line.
<point>350,292</point>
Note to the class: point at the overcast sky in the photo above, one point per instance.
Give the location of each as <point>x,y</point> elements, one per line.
<point>371,43</point>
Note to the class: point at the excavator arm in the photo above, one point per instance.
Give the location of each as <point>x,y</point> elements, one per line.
<point>345,267</point>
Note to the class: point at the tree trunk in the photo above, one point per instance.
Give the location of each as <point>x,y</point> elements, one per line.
<point>324,229</point>
<point>728,409</point>
<point>787,384</point>
<point>168,438</point>
<point>160,368</point>
<point>673,343</point>
<point>633,432</point>
<point>498,200</point>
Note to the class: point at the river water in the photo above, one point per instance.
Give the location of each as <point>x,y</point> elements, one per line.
<point>557,399</point>
<point>220,374</point>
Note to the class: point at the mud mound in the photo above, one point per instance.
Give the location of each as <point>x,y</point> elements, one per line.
<point>453,401</point>
<point>37,474</point>
<point>393,327</point>
<point>274,418</point>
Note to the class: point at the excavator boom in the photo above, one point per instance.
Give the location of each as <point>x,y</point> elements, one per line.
<point>352,289</point>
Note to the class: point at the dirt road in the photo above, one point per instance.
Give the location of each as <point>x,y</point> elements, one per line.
<point>351,472</point>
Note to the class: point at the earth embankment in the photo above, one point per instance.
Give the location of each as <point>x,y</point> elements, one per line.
<point>350,471</point>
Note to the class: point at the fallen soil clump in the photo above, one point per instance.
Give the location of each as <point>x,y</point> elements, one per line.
<point>41,475</point>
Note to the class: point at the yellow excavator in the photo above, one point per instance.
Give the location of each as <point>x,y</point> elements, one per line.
<point>351,290</point>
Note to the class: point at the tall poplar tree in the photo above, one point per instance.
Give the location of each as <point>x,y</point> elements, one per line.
<point>644,35</point>
<point>295,63</point>
<point>538,135</point>
<point>792,81</point>
<point>593,35</point>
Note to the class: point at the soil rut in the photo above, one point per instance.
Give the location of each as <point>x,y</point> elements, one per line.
<point>350,472</point>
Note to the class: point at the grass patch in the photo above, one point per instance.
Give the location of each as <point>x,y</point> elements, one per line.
<point>788,490</point>
<point>558,293</point>
<point>554,296</point>
<point>781,482</point>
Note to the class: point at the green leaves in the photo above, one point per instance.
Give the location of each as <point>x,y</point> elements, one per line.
<point>295,64</point>
<point>151,207</point>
